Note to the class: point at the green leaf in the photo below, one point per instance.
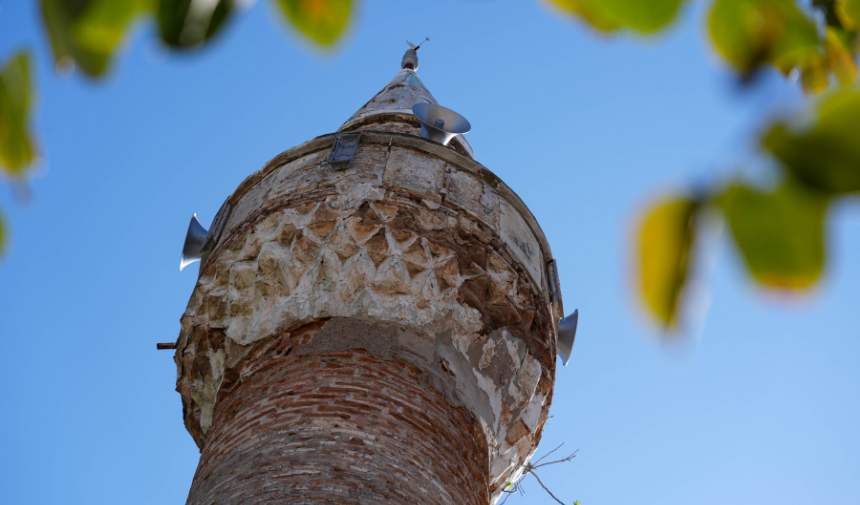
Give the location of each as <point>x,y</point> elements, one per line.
<point>840,60</point>
<point>190,23</point>
<point>59,17</point>
<point>849,13</point>
<point>665,238</point>
<point>17,150</point>
<point>814,75</point>
<point>609,15</point>
<point>825,156</point>
<point>591,12</point>
<point>87,32</point>
<point>779,233</point>
<point>103,25</point>
<point>751,33</point>
<point>322,21</point>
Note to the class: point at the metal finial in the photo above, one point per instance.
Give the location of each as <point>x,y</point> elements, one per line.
<point>410,59</point>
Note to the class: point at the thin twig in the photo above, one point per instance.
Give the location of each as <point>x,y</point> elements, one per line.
<point>515,486</point>
<point>530,468</point>
<point>545,489</point>
<point>565,460</point>
<point>547,454</point>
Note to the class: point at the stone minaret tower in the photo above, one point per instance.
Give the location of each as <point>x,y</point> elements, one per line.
<point>374,322</point>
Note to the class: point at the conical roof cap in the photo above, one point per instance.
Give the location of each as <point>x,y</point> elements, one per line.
<point>397,99</point>
<point>398,96</point>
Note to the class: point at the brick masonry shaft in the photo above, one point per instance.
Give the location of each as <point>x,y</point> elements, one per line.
<point>338,427</point>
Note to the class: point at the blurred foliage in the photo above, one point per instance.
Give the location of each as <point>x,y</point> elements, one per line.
<point>85,33</point>
<point>779,232</point>
<point>753,32</point>
<point>826,155</point>
<point>323,21</point>
<point>665,240</point>
<point>610,15</point>
<point>845,13</point>
<point>17,151</point>
<point>189,23</point>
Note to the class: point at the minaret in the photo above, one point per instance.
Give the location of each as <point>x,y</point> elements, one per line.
<point>374,322</point>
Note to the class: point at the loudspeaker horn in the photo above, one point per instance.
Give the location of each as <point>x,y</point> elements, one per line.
<point>438,123</point>
<point>194,240</point>
<point>566,335</point>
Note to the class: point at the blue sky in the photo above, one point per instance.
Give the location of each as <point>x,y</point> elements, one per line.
<point>762,407</point>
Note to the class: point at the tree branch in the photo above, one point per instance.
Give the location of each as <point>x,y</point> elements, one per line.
<point>545,489</point>
<point>550,452</point>
<point>564,460</point>
<point>530,469</point>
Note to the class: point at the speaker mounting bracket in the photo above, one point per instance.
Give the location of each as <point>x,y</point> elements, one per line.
<point>343,150</point>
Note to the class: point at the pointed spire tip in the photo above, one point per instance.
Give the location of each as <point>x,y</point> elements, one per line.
<point>410,59</point>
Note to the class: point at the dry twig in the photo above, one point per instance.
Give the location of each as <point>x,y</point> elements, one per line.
<point>530,469</point>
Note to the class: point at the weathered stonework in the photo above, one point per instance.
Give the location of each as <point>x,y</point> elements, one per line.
<point>416,259</point>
